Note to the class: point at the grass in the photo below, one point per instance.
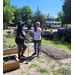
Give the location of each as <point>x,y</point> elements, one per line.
<point>10,41</point>
<point>42,70</point>
<point>60,71</point>
<point>54,42</point>
<point>40,60</point>
<point>52,66</point>
<point>33,65</point>
<point>58,43</point>
<point>5,32</point>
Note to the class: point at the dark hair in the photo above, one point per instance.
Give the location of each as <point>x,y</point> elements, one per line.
<point>35,28</point>
<point>37,23</point>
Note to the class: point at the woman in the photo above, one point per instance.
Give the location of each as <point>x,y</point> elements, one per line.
<point>36,35</point>
<point>20,39</point>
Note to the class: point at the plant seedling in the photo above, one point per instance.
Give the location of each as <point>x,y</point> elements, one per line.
<point>3,61</point>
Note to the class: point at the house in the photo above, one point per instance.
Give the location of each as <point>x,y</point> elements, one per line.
<point>50,22</point>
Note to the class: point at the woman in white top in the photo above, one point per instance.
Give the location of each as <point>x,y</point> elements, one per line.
<point>36,35</point>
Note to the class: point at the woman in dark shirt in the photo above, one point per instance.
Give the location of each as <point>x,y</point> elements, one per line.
<point>20,39</point>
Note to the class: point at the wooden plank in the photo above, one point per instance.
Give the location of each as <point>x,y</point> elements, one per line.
<point>10,51</point>
<point>11,66</point>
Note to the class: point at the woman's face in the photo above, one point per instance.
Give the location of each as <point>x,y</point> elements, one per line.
<point>38,25</point>
<point>21,26</point>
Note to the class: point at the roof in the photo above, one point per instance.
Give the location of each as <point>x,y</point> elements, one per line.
<point>46,16</point>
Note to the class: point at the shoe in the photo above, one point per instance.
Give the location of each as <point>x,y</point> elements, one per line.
<point>33,53</point>
<point>37,55</point>
<point>22,55</point>
<point>19,58</point>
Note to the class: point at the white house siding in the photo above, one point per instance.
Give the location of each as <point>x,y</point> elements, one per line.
<point>53,24</point>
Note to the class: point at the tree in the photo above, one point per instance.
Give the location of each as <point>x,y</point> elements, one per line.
<point>65,15</point>
<point>8,11</point>
<point>26,13</point>
<point>67,11</point>
<point>39,17</point>
<point>17,15</point>
<point>60,17</point>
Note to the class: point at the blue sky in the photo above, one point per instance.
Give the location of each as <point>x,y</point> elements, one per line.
<point>45,6</point>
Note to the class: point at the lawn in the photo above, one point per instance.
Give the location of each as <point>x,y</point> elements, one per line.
<point>10,41</point>
<point>57,43</point>
<point>5,32</point>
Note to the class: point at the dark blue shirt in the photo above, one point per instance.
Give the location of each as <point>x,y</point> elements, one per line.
<point>20,32</point>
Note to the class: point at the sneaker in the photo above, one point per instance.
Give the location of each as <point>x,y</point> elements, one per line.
<point>37,55</point>
<point>19,58</point>
<point>33,53</point>
<point>22,55</point>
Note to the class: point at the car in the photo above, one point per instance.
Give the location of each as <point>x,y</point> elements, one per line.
<point>64,34</point>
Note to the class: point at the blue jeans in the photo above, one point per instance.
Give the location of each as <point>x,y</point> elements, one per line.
<point>37,45</point>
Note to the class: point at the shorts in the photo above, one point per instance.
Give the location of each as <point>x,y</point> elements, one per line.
<point>21,47</point>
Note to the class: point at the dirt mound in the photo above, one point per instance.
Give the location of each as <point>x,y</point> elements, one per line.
<point>54,52</point>
<point>10,35</point>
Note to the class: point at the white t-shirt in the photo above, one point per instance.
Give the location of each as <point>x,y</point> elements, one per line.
<point>37,34</point>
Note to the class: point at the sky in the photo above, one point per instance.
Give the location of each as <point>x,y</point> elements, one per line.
<point>45,6</point>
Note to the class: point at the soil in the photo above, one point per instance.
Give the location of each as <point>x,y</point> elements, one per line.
<point>10,35</point>
<point>54,58</point>
<point>48,56</point>
<point>9,59</point>
<point>54,53</point>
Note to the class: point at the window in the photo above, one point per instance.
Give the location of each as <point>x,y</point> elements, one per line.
<point>52,23</point>
<point>58,23</point>
<point>55,23</point>
<point>48,19</point>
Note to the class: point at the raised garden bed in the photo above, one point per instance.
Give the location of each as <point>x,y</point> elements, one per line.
<point>10,63</point>
<point>10,51</point>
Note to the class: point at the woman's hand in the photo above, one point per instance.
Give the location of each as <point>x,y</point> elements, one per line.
<point>42,31</point>
<point>33,35</point>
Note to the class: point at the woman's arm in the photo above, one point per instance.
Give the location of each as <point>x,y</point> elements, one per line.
<point>20,37</point>
<point>42,31</point>
<point>33,35</point>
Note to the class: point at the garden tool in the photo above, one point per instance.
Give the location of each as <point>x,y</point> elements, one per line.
<point>29,27</point>
<point>27,40</point>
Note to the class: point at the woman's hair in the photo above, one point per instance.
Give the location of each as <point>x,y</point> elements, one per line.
<point>37,23</point>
